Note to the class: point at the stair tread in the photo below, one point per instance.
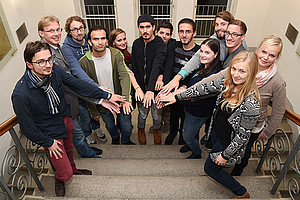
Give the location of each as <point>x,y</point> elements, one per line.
<point>151,167</point>
<point>136,187</point>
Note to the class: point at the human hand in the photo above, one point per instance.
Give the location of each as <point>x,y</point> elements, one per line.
<point>55,149</point>
<point>220,160</point>
<point>139,94</point>
<point>111,106</point>
<point>262,136</point>
<point>173,84</point>
<point>179,90</point>
<point>165,99</point>
<point>127,107</point>
<point>159,83</point>
<point>115,97</point>
<point>106,89</point>
<point>148,99</point>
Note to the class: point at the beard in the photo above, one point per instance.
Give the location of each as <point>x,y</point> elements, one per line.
<point>220,37</point>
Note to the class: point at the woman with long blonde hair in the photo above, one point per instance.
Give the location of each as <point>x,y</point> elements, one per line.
<point>235,115</point>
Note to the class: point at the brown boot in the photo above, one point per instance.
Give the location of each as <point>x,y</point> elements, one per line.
<point>244,196</point>
<point>141,136</point>
<point>157,136</point>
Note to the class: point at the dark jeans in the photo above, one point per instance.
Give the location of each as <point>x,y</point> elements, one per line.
<point>217,173</point>
<point>239,168</point>
<point>86,122</point>
<point>125,125</point>
<point>176,113</point>
<point>80,143</point>
<point>190,132</point>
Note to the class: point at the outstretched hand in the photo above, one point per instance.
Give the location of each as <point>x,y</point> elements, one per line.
<point>127,107</point>
<point>165,99</point>
<point>117,98</point>
<point>148,99</point>
<point>111,106</point>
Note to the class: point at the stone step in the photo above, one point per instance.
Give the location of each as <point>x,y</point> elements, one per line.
<point>151,167</point>
<point>145,187</point>
<point>70,198</point>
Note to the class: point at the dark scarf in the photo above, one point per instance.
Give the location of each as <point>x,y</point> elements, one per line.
<point>45,85</point>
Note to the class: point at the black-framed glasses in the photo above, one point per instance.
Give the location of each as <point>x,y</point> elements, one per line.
<point>81,28</point>
<point>56,30</point>
<point>43,63</point>
<point>233,35</point>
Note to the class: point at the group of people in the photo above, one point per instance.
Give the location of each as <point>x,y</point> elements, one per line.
<point>66,90</point>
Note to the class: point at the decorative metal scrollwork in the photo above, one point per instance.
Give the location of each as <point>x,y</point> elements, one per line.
<point>17,172</point>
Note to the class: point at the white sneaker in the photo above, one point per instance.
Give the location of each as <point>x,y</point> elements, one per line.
<point>90,139</point>
<point>100,135</point>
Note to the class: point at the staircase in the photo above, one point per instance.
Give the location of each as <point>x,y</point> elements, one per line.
<point>150,172</point>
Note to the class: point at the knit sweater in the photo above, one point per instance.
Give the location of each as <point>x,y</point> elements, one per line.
<point>242,120</point>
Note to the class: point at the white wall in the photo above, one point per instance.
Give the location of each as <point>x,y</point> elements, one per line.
<point>126,13</point>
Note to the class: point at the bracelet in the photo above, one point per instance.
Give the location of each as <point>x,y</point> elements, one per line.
<point>109,96</point>
<point>137,87</point>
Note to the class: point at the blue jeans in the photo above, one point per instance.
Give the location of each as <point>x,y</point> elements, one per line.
<point>190,131</point>
<point>86,122</point>
<point>143,113</point>
<point>79,141</point>
<point>216,172</point>
<point>125,125</point>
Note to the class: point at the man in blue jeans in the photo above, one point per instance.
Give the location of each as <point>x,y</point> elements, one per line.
<point>50,32</point>
<point>106,66</point>
<point>74,47</point>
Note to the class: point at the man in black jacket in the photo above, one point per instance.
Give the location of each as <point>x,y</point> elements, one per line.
<point>148,57</point>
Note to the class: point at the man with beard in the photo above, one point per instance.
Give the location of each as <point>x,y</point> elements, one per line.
<point>179,53</point>
<point>221,22</point>
<point>74,47</point>
<point>106,66</point>
<point>50,32</point>
<point>148,58</point>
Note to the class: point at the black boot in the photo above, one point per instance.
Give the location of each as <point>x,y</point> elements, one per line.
<point>169,139</point>
<point>116,140</point>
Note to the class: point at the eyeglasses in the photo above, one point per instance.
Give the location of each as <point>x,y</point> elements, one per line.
<point>56,30</point>
<point>43,63</point>
<point>233,35</point>
<point>81,28</point>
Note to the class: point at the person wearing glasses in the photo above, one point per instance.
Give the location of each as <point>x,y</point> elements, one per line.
<point>234,37</point>
<point>50,32</point>
<point>74,47</point>
<point>42,111</point>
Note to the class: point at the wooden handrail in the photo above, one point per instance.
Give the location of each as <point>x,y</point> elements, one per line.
<point>8,124</point>
<point>294,117</point>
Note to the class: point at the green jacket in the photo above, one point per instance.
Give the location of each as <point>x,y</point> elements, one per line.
<point>121,79</point>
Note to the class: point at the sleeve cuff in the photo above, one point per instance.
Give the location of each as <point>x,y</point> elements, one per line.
<point>183,73</point>
<point>100,101</point>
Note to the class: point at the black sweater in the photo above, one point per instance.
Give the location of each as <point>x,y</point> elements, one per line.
<point>153,54</point>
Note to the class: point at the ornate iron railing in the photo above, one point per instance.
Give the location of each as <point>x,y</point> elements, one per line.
<point>272,155</point>
<point>16,165</point>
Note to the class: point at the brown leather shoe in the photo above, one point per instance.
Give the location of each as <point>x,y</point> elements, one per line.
<point>83,172</point>
<point>141,136</point>
<point>244,196</point>
<point>60,188</point>
<point>157,136</point>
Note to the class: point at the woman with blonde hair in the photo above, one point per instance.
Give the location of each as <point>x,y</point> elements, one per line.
<point>235,115</point>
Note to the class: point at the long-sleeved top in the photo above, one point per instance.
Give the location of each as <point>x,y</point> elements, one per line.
<point>242,120</point>
<point>73,51</point>
<point>147,61</point>
<point>31,107</point>
<point>230,56</point>
<point>121,79</point>
<point>275,90</point>
<point>195,61</point>
<point>177,57</point>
